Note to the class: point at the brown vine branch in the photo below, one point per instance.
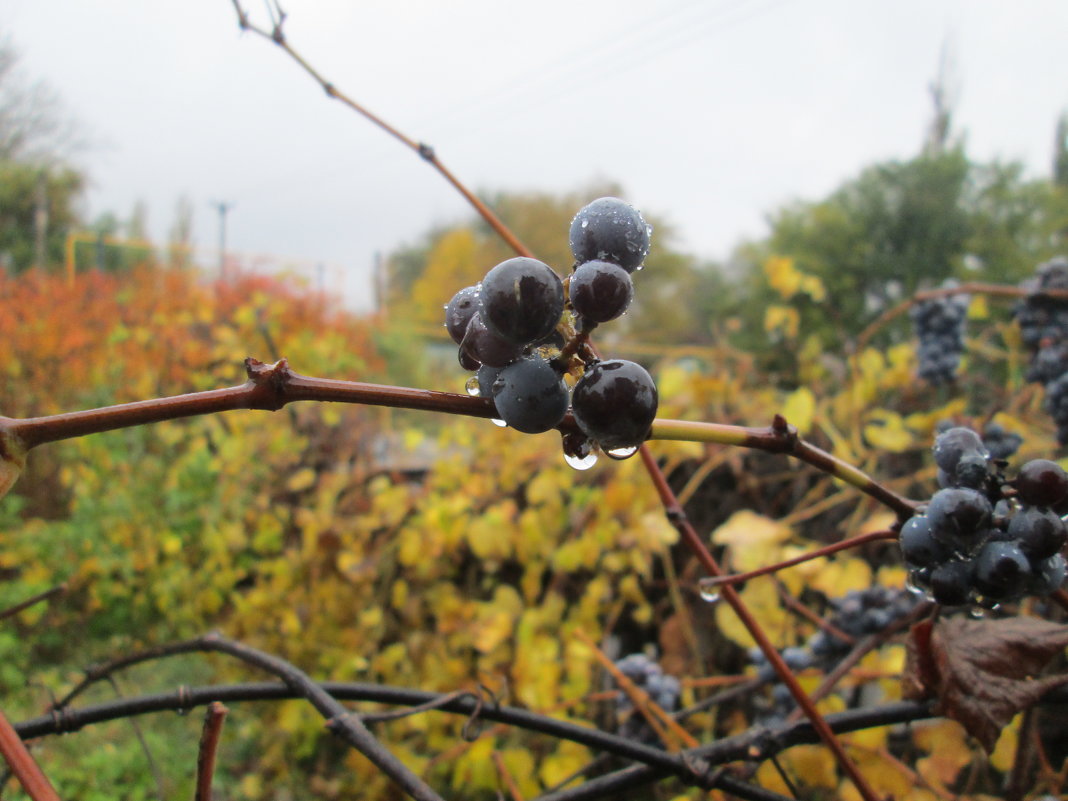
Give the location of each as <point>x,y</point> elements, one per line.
<point>209,745</point>
<point>423,150</point>
<point>506,776</point>
<point>271,386</point>
<point>816,553</point>
<point>23,765</point>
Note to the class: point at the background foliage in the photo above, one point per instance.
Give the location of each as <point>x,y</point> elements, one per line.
<point>364,544</point>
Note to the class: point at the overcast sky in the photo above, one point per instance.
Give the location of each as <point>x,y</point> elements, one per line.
<point>710,113</point>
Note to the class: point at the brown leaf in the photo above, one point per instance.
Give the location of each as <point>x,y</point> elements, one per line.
<point>982,672</point>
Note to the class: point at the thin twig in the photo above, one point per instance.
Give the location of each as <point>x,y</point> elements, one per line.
<point>157,777</point>
<point>209,746</point>
<point>36,599</point>
<point>423,150</point>
<point>506,776</point>
<point>815,553</point>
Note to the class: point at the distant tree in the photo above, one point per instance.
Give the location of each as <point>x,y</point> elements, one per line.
<point>180,238</point>
<point>899,227</point>
<point>19,204</point>
<point>34,126</point>
<point>38,189</point>
<point>1060,152</point>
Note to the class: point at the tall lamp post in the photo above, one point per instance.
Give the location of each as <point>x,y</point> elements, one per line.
<point>223,208</point>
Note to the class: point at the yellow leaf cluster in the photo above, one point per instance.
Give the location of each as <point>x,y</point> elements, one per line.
<point>784,277</point>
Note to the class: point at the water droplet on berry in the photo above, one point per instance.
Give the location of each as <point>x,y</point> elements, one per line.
<point>585,223</point>
<point>581,462</point>
<point>472,387</point>
<point>708,589</point>
<point>978,611</point>
<point>621,453</point>
<point>498,423</point>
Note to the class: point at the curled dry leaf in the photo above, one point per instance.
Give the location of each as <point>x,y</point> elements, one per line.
<point>982,672</point>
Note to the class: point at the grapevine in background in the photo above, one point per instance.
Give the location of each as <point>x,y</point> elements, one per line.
<point>524,333</point>
<point>1043,321</point>
<point>939,325</point>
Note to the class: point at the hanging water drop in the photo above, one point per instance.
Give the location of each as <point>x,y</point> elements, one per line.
<point>708,589</point>
<point>581,462</point>
<point>621,453</point>
<point>498,423</point>
<point>472,387</point>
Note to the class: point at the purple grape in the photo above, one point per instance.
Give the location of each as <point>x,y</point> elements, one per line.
<point>600,291</point>
<point>951,583</point>
<point>521,300</point>
<point>1041,482</point>
<point>459,312</point>
<point>615,403</point>
<point>1040,532</point>
<point>530,395</point>
<point>951,445</point>
<point>918,545</point>
<point>609,229</point>
<point>956,515</point>
<point>1001,570</point>
<point>485,347</point>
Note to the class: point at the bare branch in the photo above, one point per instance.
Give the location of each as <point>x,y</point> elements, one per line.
<point>209,745</point>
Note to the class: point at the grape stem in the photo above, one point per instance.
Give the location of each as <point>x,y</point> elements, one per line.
<point>852,542</point>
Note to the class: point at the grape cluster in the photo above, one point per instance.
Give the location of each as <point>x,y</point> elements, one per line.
<point>1043,322</point>
<point>974,542</point>
<point>858,613</point>
<point>662,688</point>
<point>521,331</point>
<point>939,325</point>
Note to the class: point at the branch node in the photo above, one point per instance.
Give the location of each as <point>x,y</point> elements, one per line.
<point>674,514</point>
<point>337,723</point>
<point>270,383</point>
<point>330,89</point>
<point>785,432</point>
<point>426,151</point>
<point>185,701</point>
<point>62,719</point>
<point>699,768</point>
